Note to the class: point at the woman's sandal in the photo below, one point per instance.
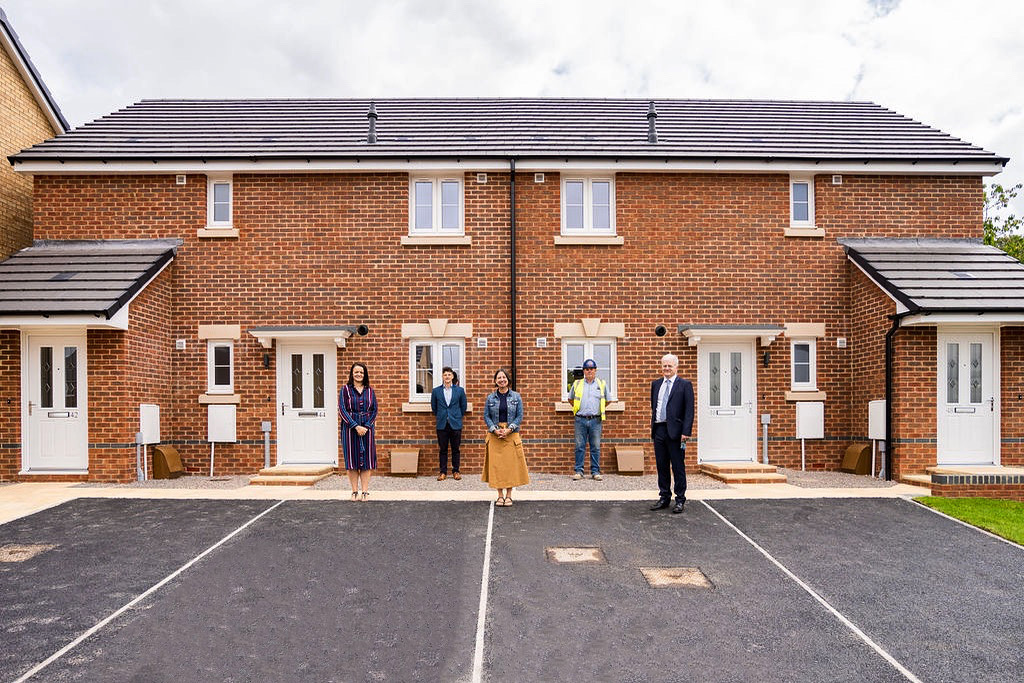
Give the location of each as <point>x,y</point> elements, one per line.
<point>366,495</point>
<point>508,501</point>
<point>355,495</point>
<point>500,503</point>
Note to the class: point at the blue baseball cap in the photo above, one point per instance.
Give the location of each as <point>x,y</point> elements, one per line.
<point>589,364</point>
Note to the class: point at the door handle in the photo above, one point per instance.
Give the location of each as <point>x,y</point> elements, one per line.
<point>992,404</point>
<point>30,408</point>
<point>282,407</point>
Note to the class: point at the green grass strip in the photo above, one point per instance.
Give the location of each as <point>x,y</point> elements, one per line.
<point>1002,517</point>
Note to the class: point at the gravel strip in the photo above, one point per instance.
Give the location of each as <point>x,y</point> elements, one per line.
<point>236,481</point>
<point>538,481</point>
<point>833,480</point>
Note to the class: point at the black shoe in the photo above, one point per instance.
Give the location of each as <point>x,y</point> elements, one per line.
<point>678,507</point>
<point>661,504</point>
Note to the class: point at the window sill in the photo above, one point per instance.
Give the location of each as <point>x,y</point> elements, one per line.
<point>805,395</point>
<point>206,399</point>
<point>436,240</point>
<point>610,407</point>
<point>217,232</point>
<point>809,231</point>
<point>425,407</point>
<point>609,240</point>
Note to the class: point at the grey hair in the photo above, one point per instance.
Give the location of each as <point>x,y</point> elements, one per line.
<point>670,358</point>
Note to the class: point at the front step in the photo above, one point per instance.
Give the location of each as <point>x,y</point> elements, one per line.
<point>917,479</point>
<point>292,475</point>
<point>746,472</point>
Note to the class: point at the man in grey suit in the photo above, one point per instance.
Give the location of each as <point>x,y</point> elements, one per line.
<point>671,426</point>
<point>448,403</point>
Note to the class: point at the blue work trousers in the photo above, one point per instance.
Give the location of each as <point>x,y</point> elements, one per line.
<point>588,430</point>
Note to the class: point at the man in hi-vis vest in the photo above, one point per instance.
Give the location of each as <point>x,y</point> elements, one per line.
<point>589,397</point>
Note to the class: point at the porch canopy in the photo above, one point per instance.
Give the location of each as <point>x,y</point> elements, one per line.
<point>936,281</point>
<point>79,282</point>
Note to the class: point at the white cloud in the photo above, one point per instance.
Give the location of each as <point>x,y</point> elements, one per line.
<point>953,65</point>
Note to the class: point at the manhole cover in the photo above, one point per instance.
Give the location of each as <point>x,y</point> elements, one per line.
<point>574,555</point>
<point>668,577</point>
<point>20,553</point>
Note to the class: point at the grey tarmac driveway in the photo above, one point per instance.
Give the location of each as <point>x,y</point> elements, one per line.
<point>390,591</point>
<point>945,600</point>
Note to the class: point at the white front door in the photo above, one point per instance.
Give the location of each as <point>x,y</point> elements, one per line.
<point>55,416</point>
<point>967,406</point>
<point>725,402</point>
<point>307,410</point>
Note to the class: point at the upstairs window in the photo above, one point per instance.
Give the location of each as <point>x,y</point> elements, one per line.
<point>803,363</point>
<point>435,206</point>
<point>801,202</point>
<point>588,206</point>
<point>219,202</point>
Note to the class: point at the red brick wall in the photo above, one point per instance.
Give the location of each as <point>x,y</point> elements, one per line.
<point>10,411</point>
<point>1005,491</point>
<point>1011,396</point>
<point>914,417</point>
<point>325,250</point>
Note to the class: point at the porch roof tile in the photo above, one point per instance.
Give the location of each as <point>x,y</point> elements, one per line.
<point>942,275</point>
<point>80,277</point>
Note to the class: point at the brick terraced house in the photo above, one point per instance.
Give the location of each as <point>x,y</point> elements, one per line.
<point>228,261</point>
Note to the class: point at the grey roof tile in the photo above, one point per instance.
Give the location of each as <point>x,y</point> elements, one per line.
<point>80,277</point>
<point>942,275</point>
<point>482,127</point>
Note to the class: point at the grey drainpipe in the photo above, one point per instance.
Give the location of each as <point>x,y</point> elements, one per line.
<point>512,260</point>
<point>888,391</point>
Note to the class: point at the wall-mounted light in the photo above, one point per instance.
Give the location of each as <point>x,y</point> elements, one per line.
<point>766,358</point>
<point>660,331</point>
<point>266,361</point>
<point>362,330</point>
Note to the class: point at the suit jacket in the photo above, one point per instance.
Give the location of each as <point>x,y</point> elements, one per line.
<point>679,411</point>
<point>448,414</point>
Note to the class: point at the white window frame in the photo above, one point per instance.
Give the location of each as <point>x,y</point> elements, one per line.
<point>435,226</point>
<point>588,204</point>
<point>437,363</point>
<point>211,386</point>
<point>588,352</point>
<point>809,181</point>
<point>211,181</point>
<point>812,383</point>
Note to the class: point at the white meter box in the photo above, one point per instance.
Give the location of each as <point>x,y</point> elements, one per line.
<point>149,423</point>
<point>876,420</point>
<point>221,425</point>
<point>810,420</point>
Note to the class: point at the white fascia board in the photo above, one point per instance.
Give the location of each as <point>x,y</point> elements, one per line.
<point>30,81</point>
<point>900,306</point>
<point>92,322</point>
<point>963,319</point>
<point>498,164</point>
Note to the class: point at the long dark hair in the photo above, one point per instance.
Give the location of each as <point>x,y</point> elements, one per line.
<point>455,375</point>
<point>366,375</point>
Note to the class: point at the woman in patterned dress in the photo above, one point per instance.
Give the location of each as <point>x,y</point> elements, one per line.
<point>357,405</point>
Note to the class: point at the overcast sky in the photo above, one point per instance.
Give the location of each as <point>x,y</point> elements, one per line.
<point>954,65</point>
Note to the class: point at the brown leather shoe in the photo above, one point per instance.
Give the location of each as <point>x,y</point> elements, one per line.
<point>456,476</point>
<point>442,476</point>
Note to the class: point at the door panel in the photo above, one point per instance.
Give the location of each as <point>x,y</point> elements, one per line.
<point>307,416</point>
<point>725,402</point>
<point>55,415</point>
<point>966,399</point>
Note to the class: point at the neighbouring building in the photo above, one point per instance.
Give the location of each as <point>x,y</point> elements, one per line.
<point>228,261</point>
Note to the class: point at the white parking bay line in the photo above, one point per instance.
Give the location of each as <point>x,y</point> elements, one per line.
<point>478,651</point>
<point>810,591</point>
<point>155,587</point>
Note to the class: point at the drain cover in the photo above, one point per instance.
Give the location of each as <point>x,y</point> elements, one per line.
<point>20,553</point>
<point>669,577</point>
<point>574,555</point>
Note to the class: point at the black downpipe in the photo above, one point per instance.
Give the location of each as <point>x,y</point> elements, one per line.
<point>512,260</point>
<point>888,393</point>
